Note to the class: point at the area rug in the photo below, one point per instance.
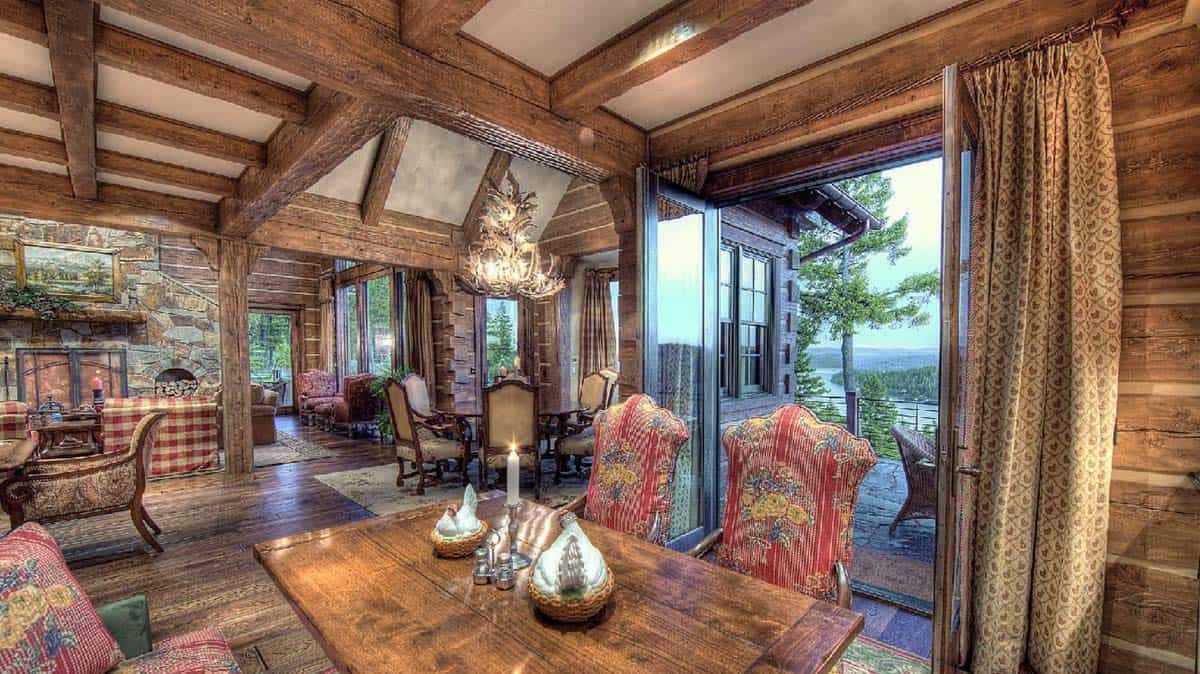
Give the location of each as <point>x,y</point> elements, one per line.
<point>867,656</point>
<point>374,488</point>
<point>288,448</point>
<point>893,578</point>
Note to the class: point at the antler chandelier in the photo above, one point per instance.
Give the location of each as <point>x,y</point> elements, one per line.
<point>503,262</point>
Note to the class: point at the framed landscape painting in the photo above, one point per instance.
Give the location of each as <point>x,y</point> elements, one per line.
<point>75,272</point>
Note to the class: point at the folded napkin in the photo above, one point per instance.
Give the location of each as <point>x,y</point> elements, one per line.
<point>459,522</point>
<point>571,563</point>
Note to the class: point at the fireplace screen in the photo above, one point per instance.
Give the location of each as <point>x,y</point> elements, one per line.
<point>67,375</point>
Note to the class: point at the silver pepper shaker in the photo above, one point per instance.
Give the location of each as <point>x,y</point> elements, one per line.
<point>482,575</point>
<point>506,578</point>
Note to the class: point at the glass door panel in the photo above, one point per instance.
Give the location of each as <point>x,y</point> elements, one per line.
<point>348,333</point>
<point>681,355</point>
<point>271,352</point>
<point>381,339</point>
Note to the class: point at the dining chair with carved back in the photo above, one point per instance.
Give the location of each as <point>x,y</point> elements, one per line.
<point>510,420</point>
<point>631,488</point>
<point>577,440</point>
<point>418,443</point>
<point>789,502</point>
<point>52,490</point>
<point>424,412</point>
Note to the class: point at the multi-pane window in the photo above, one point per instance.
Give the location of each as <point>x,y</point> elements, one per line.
<point>368,323</point>
<point>348,333</point>
<point>744,299</point>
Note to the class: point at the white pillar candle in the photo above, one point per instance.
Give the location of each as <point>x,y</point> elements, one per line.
<point>514,477</point>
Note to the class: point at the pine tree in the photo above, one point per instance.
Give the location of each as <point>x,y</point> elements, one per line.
<point>501,347</point>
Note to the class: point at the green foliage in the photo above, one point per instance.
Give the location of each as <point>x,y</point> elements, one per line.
<point>501,342</point>
<point>378,388</point>
<point>877,416</point>
<point>45,305</point>
<point>270,345</point>
<point>916,383</point>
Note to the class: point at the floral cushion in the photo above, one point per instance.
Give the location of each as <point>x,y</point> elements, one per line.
<point>793,483</point>
<point>633,469</point>
<point>112,484</point>
<point>47,623</point>
<point>203,652</point>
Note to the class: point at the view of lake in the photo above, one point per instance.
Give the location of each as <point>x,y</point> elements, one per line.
<point>827,361</point>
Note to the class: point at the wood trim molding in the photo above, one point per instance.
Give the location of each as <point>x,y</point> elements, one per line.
<point>387,160</point>
<point>70,30</point>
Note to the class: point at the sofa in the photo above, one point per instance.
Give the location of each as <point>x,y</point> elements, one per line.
<point>358,408</point>
<point>54,627</point>
<point>187,440</point>
<point>14,420</point>
<point>315,389</point>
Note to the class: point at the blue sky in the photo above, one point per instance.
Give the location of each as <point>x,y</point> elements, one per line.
<point>918,190</point>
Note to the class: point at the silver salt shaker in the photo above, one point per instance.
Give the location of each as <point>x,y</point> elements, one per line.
<point>505,576</point>
<point>482,574</point>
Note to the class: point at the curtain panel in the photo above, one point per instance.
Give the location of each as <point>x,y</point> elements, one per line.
<point>597,341</point>
<point>418,328</point>
<point>1043,350</point>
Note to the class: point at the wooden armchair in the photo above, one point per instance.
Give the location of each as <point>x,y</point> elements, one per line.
<point>578,440</point>
<point>789,503</point>
<point>920,472</point>
<point>50,490</point>
<point>633,475</point>
<point>439,423</point>
<point>417,443</point>
<point>510,420</point>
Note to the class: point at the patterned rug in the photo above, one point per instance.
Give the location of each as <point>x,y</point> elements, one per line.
<point>288,448</point>
<point>374,488</point>
<point>867,656</point>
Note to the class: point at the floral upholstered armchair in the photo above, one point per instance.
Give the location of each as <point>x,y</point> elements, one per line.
<point>789,503</point>
<point>631,488</point>
<point>315,388</point>
<point>50,490</point>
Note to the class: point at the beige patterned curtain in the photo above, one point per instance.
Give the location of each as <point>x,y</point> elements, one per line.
<point>418,328</point>
<point>1043,350</point>
<point>597,342</point>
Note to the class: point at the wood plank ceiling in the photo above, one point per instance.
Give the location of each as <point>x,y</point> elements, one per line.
<point>152,112</point>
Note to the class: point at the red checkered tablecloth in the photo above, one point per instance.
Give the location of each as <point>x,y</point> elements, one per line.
<point>14,420</point>
<point>187,439</point>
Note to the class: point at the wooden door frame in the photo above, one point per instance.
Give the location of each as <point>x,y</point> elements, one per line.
<point>296,312</point>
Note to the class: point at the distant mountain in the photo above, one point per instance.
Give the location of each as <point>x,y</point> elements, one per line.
<point>868,358</point>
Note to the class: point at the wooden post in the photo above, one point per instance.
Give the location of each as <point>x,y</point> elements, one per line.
<point>236,259</point>
<point>621,193</point>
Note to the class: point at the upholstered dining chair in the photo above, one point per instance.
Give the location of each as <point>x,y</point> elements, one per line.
<point>510,419</point>
<point>578,440</point>
<point>789,502</point>
<point>633,473</point>
<point>51,490</point>
<point>418,444</point>
<point>422,408</point>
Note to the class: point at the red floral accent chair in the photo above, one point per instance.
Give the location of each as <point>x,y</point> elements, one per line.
<point>633,471</point>
<point>314,388</point>
<point>789,502</point>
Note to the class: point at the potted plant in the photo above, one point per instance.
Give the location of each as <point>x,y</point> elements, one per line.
<point>45,305</point>
<point>379,391</point>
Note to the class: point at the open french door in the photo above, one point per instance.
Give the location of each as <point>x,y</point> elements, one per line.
<point>680,243</point>
<point>955,474</point>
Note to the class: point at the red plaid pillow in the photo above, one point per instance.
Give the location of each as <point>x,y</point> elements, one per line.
<point>789,503</point>
<point>14,420</point>
<point>637,443</point>
<point>203,652</point>
<point>50,624</point>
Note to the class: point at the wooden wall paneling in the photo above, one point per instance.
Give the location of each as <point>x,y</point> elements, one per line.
<point>70,35</point>
<point>1159,164</point>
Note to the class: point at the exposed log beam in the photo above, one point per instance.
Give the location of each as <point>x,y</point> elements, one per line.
<point>49,196</point>
<point>387,159</point>
<point>24,20</point>
<point>426,23</point>
<point>37,99</point>
<point>380,67</point>
<point>126,51</point>
<point>70,28</point>
<point>299,154</point>
<point>53,151</point>
<point>496,169</point>
<point>682,34</point>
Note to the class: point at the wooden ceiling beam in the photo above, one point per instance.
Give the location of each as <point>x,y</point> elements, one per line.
<point>494,174</point>
<point>684,33</point>
<point>311,38</point>
<point>118,48</point>
<point>383,173</point>
<point>49,196</point>
<point>424,24</point>
<point>70,28</point>
<point>42,101</point>
<point>23,19</point>
<point>299,154</point>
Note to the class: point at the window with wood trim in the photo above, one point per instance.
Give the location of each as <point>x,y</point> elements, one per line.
<point>744,301</point>
<point>369,320</point>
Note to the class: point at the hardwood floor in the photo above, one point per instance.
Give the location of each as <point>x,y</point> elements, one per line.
<point>207,576</point>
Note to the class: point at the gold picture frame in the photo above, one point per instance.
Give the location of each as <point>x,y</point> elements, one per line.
<point>67,270</point>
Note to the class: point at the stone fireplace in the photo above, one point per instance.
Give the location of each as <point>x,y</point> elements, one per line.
<point>175,382</point>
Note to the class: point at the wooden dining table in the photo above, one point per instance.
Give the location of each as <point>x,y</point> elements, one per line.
<point>377,600</point>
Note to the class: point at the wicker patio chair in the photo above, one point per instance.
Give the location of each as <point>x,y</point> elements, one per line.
<point>920,471</point>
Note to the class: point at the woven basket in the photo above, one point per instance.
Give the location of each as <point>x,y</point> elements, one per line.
<point>574,609</point>
<point>457,547</point>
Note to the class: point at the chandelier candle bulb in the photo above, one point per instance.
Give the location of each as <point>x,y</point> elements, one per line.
<point>514,477</point>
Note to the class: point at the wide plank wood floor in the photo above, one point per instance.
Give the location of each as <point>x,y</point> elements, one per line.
<point>207,576</point>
